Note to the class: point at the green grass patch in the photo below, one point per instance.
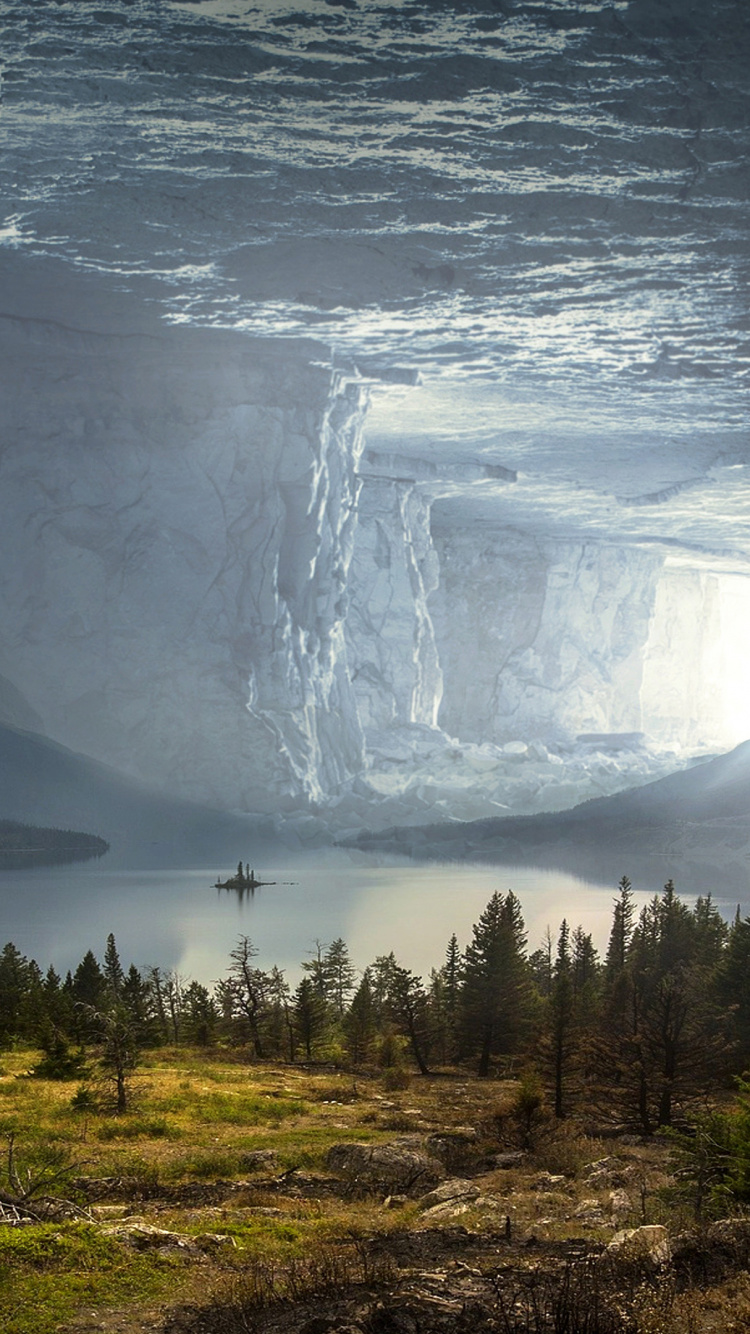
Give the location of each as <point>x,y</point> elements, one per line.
<point>245,1109</point>
<point>130,1163</point>
<point>137,1127</point>
<point>48,1271</point>
<point>204,1165</point>
<point>307,1146</point>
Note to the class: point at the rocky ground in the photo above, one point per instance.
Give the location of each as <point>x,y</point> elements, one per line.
<point>504,1246</point>
<point>247,1199</point>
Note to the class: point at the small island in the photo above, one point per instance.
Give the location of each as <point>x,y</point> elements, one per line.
<point>243,879</point>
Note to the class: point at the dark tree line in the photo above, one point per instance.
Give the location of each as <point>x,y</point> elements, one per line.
<point>663,1018</point>
<point>18,837</point>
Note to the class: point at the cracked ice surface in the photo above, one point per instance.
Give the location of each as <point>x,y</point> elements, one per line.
<point>523,577</point>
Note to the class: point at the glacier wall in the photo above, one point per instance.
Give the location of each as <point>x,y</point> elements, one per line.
<point>536,213</point>
<point>539,638</point>
<point>178,520</point>
<point>695,672</point>
<point>561,667</point>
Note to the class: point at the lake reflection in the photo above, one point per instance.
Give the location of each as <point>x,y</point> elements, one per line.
<point>179,920</point>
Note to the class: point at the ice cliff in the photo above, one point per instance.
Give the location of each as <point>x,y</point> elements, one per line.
<point>178,527</point>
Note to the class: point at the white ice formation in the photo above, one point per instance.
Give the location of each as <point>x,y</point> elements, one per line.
<point>521,575</point>
<point>178,527</point>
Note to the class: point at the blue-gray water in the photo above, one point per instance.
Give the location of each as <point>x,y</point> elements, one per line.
<point>178,920</point>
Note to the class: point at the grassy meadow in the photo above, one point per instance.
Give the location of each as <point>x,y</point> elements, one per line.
<point>229,1159</point>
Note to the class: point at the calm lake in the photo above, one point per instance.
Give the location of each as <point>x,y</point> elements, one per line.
<point>178,920</point>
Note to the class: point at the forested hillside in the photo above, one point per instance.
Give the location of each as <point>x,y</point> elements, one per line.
<point>36,845</point>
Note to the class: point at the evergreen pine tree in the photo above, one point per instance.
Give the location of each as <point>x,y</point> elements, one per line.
<point>246,991</point>
<point>381,972</point>
<point>662,1037</point>
<point>496,994</point>
<point>309,1015</point>
<point>200,1015</point>
<point>408,1006</point>
<point>136,997</point>
<point>732,988</point>
<point>541,964</point>
<point>278,1024</point>
<point>315,967</point>
<point>621,932</point>
<point>339,976</point>
<point>112,969</point>
<point>20,995</point>
<point>359,1023</point>
<point>562,1015</point>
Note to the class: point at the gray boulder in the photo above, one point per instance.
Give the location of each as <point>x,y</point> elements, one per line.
<point>642,1243</point>
<point>455,1189</point>
<point>458,1150</point>
<point>391,1168</point>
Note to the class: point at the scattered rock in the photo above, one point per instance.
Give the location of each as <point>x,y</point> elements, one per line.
<point>546,1181</point>
<point>602,1165</point>
<point>298,1184</point>
<point>258,1160</point>
<point>105,1211</point>
<point>392,1168</point>
<point>458,1150</point>
<point>620,1205</point>
<point>455,1189</point>
<point>507,1160</point>
<point>604,1172</point>
<point>489,1205</point>
<point>590,1213</point>
<point>448,1209</point>
<point>642,1243</point>
<point>146,1237</point>
<point>213,1241</point>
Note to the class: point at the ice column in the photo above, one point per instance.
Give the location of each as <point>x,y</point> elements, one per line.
<point>392,652</point>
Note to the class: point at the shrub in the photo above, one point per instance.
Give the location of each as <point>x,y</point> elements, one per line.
<point>59,1061</point>
<point>84,1099</point>
<point>525,1115</point>
<point>395,1078</point>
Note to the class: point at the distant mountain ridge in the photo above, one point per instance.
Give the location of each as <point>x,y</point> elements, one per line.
<point>702,813</point>
<point>44,783</point>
